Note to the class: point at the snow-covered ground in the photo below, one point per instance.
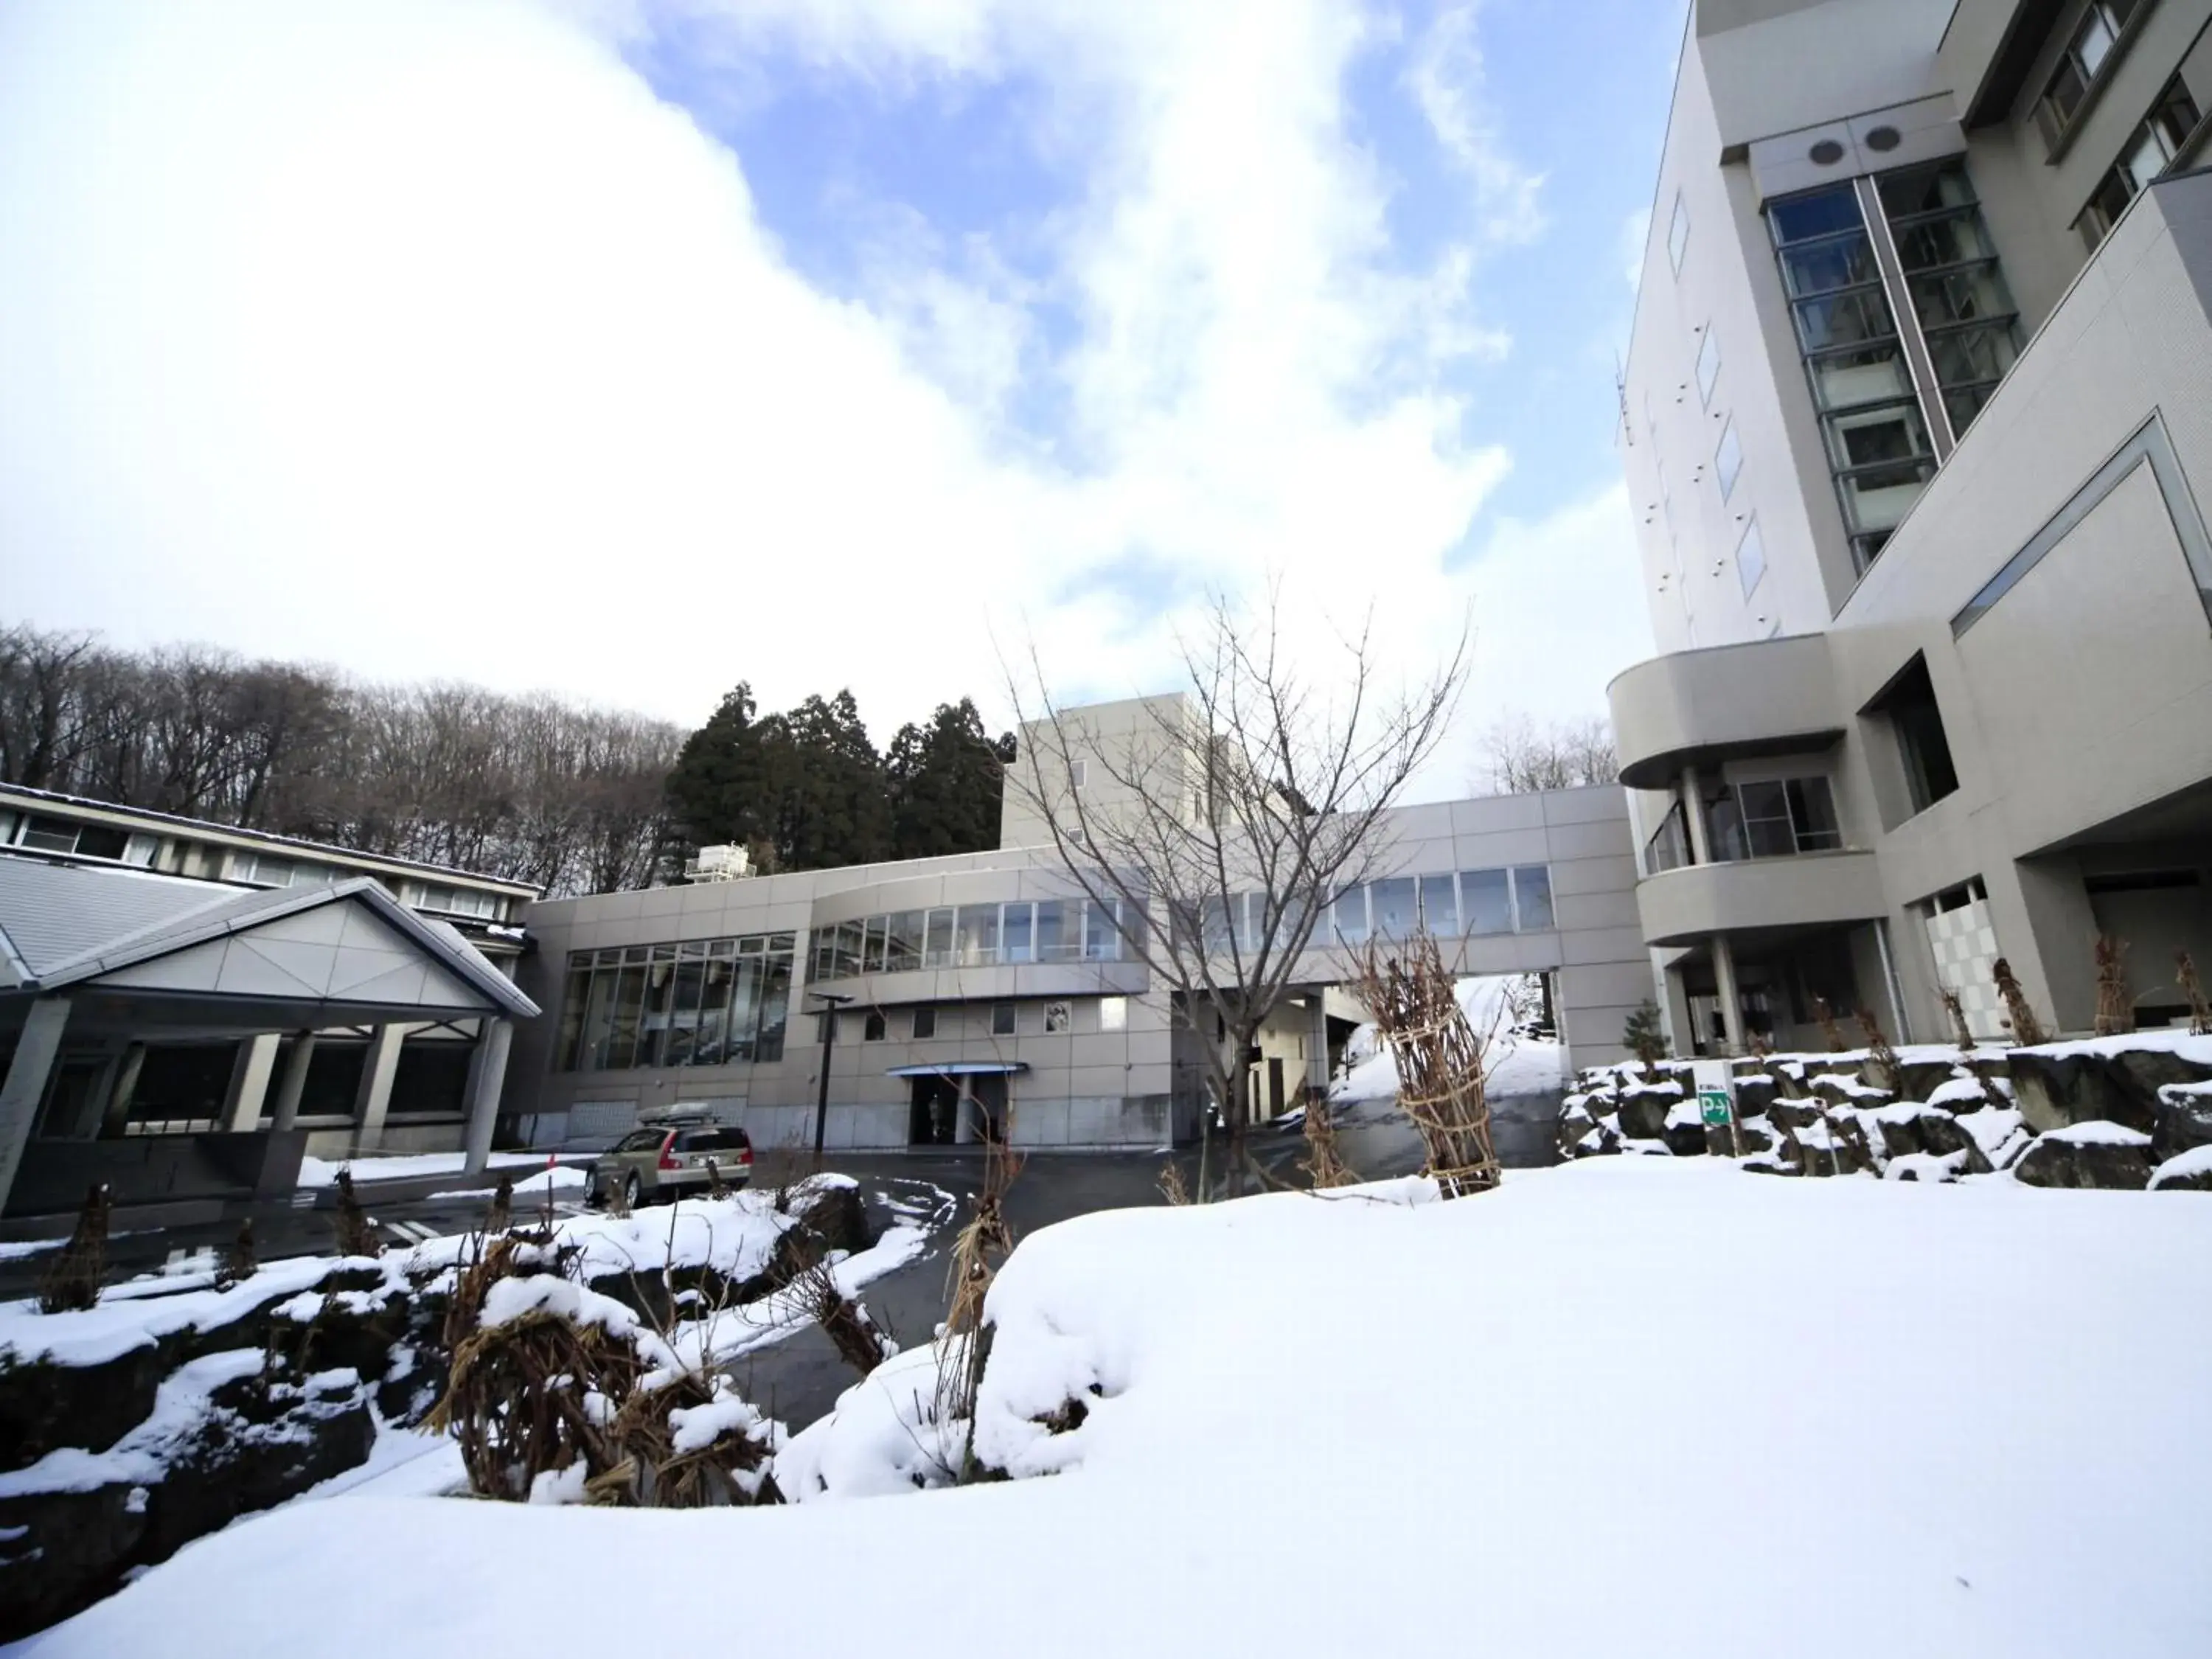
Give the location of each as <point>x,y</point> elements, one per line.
<point>1512,1065</point>
<point>403,1166</point>
<point>1623,1406</point>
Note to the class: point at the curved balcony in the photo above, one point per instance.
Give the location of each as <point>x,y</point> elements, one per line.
<point>1727,702</point>
<point>1812,890</point>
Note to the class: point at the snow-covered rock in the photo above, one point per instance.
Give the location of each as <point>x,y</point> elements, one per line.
<point>2093,1154</point>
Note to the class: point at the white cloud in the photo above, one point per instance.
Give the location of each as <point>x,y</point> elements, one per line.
<point>423,340</point>
<point>1448,79</point>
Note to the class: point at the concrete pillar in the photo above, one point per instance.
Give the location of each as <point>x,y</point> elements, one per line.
<point>86,1125</point>
<point>373,1098</point>
<point>26,1084</point>
<point>117,1116</point>
<point>963,1116</point>
<point>294,1083</point>
<point>249,1084</point>
<point>1731,1002</point>
<point>1693,817</point>
<point>486,1073</point>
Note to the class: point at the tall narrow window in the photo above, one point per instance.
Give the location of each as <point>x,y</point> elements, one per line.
<point>1750,558</point>
<point>1677,234</point>
<point>1708,366</point>
<point>1958,291</point>
<point>1728,461</point>
<point>1878,445</point>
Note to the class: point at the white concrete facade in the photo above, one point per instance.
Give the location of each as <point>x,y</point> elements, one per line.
<point>1979,731</point>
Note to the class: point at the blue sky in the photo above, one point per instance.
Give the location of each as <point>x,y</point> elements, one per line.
<point>628,348</point>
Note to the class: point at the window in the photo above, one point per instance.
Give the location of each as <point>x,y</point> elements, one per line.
<point>874,1027</point>
<point>1669,846</point>
<point>1677,234</point>
<point>1348,915</point>
<point>1113,1013</point>
<point>703,1002</point>
<point>1017,934</point>
<point>1439,906</point>
<point>1002,1019</point>
<point>974,935</point>
<point>1708,366</point>
<point>938,949</point>
<point>1956,288</point>
<point>1750,558</point>
<point>1532,898</point>
<point>925,1024</point>
<point>1854,361</point>
<point>1728,461</point>
<point>1878,447</point>
<point>977,940</point>
<point>1909,706</point>
<point>2150,151</point>
<point>1485,901</point>
<point>1392,906</point>
<point>1055,1017</point>
<point>1079,773</point>
<point>2087,51</point>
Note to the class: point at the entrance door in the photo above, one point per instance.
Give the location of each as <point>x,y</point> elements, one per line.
<point>1275,1086</point>
<point>934,1119</point>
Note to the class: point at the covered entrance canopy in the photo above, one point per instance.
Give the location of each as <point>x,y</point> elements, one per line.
<point>958,1101</point>
<point>95,963</point>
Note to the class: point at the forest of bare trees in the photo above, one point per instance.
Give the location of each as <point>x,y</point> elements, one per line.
<point>529,787</point>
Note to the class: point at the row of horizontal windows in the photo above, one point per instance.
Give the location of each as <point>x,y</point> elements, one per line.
<point>1515,900</point>
<point>968,936</point>
<point>704,1002</point>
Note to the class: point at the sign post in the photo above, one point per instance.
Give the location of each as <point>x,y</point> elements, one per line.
<point>1715,1085</point>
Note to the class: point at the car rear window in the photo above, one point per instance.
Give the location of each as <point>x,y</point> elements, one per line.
<point>731,1140</point>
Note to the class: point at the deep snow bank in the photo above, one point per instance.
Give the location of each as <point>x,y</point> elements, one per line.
<point>1627,1406</point>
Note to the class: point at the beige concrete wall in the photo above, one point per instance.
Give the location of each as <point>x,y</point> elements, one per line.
<point>1089,1086</point>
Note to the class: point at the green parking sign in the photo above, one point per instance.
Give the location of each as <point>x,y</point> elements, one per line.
<point>1713,1107</point>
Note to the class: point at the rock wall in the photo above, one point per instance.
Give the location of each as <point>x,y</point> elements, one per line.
<point>2108,1114</point>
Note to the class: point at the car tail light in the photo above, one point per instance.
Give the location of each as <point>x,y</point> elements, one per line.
<point>668,1158</point>
<point>745,1155</point>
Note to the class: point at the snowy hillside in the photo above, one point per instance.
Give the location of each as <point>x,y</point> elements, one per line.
<point>1549,1420</point>
<point>1514,1065</point>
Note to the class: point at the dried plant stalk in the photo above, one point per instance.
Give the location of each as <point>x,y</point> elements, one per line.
<point>1881,1058</point>
<point>1953,1006</point>
<point>2116,1001</point>
<point>1172,1183</point>
<point>238,1262</point>
<point>2200,1011</point>
<point>2026,1029</point>
<point>1831,1033</point>
<point>355,1231</point>
<point>1325,1165</point>
<point>963,1345</point>
<point>74,1280</point>
<point>1438,1054</point>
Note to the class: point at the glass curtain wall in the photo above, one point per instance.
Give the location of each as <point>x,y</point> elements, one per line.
<point>1873,426</point>
<point>704,1002</point>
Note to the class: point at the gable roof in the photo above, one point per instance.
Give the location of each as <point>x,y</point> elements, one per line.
<point>65,924</point>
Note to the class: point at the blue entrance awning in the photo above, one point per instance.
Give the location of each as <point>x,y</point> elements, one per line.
<point>963,1068</point>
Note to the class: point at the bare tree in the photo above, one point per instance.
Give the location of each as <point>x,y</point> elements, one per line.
<point>1220,831</point>
<point>1521,758</point>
